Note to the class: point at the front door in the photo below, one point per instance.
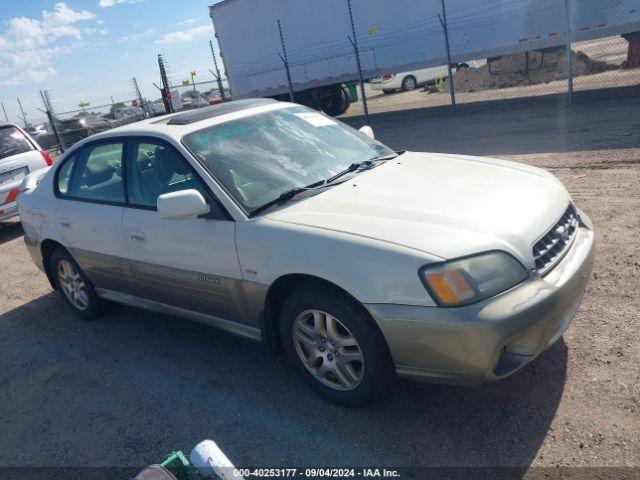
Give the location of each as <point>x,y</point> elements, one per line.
<point>191,264</point>
<point>90,187</point>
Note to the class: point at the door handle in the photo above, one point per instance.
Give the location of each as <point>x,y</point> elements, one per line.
<point>65,222</point>
<point>138,237</point>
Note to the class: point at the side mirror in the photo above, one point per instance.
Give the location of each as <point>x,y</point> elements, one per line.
<point>368,131</point>
<point>182,205</point>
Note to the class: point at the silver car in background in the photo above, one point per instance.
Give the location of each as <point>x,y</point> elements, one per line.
<point>20,155</point>
<point>285,226</point>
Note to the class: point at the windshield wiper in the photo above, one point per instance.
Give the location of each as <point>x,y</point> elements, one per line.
<point>286,196</point>
<point>6,152</point>
<point>289,194</point>
<point>357,166</point>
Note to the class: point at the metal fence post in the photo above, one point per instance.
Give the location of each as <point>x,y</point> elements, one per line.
<point>139,95</point>
<point>48,110</point>
<point>5,112</point>
<point>24,115</point>
<point>354,43</point>
<point>284,59</point>
<point>168,106</point>
<point>567,12</point>
<point>452,91</point>
<point>218,77</point>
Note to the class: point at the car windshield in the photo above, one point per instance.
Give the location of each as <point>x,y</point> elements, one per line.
<point>259,157</point>
<point>13,142</point>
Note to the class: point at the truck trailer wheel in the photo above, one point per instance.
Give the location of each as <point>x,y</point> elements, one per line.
<point>336,104</point>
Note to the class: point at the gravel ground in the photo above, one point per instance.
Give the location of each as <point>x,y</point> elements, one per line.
<point>623,81</point>
<point>129,388</point>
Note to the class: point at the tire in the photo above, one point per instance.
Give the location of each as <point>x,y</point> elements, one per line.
<point>328,351</point>
<point>335,104</point>
<point>347,99</point>
<point>387,92</point>
<point>409,83</point>
<point>63,265</point>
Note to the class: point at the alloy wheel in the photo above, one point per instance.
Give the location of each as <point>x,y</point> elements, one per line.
<point>328,350</point>
<point>409,84</point>
<point>73,285</point>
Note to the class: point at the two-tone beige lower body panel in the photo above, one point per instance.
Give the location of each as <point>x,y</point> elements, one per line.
<point>494,338</point>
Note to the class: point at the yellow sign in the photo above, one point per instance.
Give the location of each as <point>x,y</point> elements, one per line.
<point>373,31</point>
<point>185,83</point>
<point>83,104</point>
<point>193,73</point>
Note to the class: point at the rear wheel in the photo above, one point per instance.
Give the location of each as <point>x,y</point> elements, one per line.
<point>409,83</point>
<point>74,286</point>
<point>335,345</point>
<point>337,103</point>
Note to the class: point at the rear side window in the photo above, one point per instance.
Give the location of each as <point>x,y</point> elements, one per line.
<point>98,174</point>
<point>13,142</point>
<point>64,176</point>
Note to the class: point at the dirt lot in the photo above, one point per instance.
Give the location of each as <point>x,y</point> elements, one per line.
<point>624,80</point>
<point>129,388</point>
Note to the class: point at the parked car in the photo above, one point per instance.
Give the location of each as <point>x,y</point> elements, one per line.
<point>20,155</point>
<point>407,81</point>
<point>283,225</point>
<point>43,135</point>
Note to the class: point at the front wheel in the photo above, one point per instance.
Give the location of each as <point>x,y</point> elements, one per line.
<point>74,286</point>
<point>335,345</point>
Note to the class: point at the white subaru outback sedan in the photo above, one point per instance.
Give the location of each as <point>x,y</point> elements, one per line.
<point>277,223</point>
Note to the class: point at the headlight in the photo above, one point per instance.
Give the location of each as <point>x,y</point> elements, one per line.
<point>471,279</point>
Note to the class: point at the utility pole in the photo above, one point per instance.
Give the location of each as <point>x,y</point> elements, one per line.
<point>354,44</point>
<point>284,59</point>
<point>452,92</point>
<point>166,94</point>
<point>567,13</point>
<point>24,115</point>
<point>217,74</point>
<point>5,112</point>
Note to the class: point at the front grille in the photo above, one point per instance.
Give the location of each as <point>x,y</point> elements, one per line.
<point>551,248</point>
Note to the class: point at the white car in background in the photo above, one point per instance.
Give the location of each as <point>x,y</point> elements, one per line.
<point>407,81</point>
<point>20,155</point>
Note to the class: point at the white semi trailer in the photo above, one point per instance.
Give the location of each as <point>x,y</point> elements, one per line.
<point>393,36</point>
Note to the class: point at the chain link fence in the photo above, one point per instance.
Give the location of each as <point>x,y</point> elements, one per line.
<point>496,50</point>
<point>64,129</point>
<point>537,64</point>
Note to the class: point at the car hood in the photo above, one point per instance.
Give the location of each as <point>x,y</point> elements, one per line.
<point>444,205</point>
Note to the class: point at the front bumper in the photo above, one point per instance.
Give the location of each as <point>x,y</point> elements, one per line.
<point>492,339</point>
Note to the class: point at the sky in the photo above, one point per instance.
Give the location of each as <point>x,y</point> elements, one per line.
<point>89,50</point>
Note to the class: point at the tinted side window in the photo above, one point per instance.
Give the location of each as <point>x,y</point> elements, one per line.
<point>13,142</point>
<point>155,169</point>
<point>98,174</point>
<point>64,176</point>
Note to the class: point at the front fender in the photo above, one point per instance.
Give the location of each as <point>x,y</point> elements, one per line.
<point>372,271</point>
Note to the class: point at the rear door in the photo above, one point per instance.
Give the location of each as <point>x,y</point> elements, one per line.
<point>91,193</point>
<point>191,264</point>
<point>18,157</point>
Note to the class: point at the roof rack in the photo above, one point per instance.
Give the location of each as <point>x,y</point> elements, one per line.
<point>217,110</point>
